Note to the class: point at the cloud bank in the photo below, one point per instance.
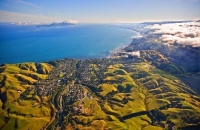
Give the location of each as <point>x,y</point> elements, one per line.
<point>180,33</point>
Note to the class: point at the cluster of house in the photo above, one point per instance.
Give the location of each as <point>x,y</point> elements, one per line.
<point>83,74</point>
<point>75,93</point>
<point>55,79</point>
<point>84,71</point>
<point>88,75</point>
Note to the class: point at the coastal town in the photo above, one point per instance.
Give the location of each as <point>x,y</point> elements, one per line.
<point>57,78</point>
<point>75,86</point>
<point>66,83</point>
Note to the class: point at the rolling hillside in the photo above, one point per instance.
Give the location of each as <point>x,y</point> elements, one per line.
<point>136,93</point>
<point>21,107</point>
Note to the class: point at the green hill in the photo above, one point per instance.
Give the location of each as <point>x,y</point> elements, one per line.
<point>118,93</point>
<point>18,113</point>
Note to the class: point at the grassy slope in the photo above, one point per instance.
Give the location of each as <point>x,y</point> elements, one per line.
<point>15,78</point>
<point>152,89</point>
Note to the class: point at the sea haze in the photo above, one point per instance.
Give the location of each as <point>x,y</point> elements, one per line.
<point>23,43</point>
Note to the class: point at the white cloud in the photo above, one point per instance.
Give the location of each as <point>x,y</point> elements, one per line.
<point>181,33</point>
<point>16,7</point>
<point>7,16</point>
<point>19,3</point>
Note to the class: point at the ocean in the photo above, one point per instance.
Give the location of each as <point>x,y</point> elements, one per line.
<point>28,43</point>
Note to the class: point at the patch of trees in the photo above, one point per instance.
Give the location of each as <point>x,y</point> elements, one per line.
<point>126,89</point>
<point>99,89</point>
<point>133,115</point>
<point>125,100</point>
<point>190,127</point>
<point>25,93</point>
<point>22,79</point>
<point>53,63</point>
<point>142,74</point>
<point>111,94</point>
<point>159,115</point>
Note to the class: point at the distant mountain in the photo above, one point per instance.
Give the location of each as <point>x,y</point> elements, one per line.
<point>65,23</point>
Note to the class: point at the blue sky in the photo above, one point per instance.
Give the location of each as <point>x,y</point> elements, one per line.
<point>98,11</point>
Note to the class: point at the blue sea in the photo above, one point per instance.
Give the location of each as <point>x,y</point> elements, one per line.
<point>28,43</point>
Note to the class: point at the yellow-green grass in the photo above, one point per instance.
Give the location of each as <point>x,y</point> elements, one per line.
<point>97,112</point>
<point>33,75</point>
<point>151,91</point>
<point>116,125</point>
<point>166,95</point>
<point>24,102</point>
<point>37,98</point>
<point>94,67</point>
<point>159,97</point>
<point>66,90</point>
<point>30,94</point>
<point>151,84</point>
<point>60,75</point>
<point>25,123</point>
<point>24,78</point>
<point>86,102</point>
<point>136,123</point>
<point>28,66</point>
<point>14,76</point>
<point>108,88</point>
<point>12,95</point>
<point>187,104</point>
<point>176,115</point>
<point>150,127</point>
<point>1,104</point>
<point>119,96</point>
<point>117,68</point>
<point>133,106</point>
<point>83,119</point>
<point>27,109</point>
<point>118,65</point>
<point>117,73</point>
<point>10,83</point>
<point>154,103</point>
<point>155,91</point>
<point>109,110</point>
<point>46,68</point>
<point>10,68</point>
<point>34,115</point>
<point>46,99</point>
<point>96,124</point>
<point>101,124</point>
